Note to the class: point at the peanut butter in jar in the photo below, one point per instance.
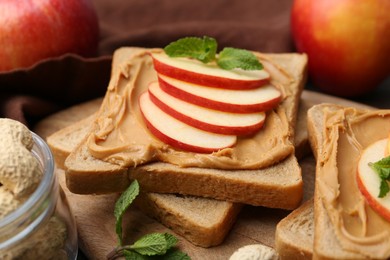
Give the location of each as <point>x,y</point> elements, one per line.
<point>35,218</point>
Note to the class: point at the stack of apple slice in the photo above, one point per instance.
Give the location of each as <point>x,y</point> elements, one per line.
<point>202,108</point>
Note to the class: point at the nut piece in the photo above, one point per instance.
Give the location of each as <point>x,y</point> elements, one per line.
<point>7,202</point>
<point>254,252</point>
<point>20,172</point>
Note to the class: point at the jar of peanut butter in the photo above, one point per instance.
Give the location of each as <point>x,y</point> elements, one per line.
<point>35,222</point>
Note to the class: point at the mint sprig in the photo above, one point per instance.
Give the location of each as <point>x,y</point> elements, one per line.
<point>382,168</point>
<point>205,50</point>
<point>202,49</point>
<point>153,245</point>
<point>122,204</point>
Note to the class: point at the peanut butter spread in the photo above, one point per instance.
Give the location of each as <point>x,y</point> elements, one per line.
<point>120,135</point>
<point>348,132</point>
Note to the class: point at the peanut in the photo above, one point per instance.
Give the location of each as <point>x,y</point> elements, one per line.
<point>7,202</point>
<point>253,252</point>
<point>20,172</point>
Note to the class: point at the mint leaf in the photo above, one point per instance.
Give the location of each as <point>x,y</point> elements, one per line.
<point>175,255</point>
<point>231,58</point>
<point>202,49</point>
<point>382,168</point>
<point>171,240</point>
<point>205,49</point>
<point>152,244</point>
<point>131,255</point>
<point>383,189</point>
<point>122,204</point>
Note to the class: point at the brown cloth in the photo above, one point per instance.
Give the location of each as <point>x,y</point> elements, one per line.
<point>29,95</point>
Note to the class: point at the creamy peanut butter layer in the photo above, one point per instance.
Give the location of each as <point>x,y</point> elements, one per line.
<point>357,226</point>
<point>120,135</point>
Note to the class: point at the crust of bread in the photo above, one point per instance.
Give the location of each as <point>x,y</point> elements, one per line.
<point>279,186</point>
<point>204,222</point>
<point>326,244</point>
<point>232,185</point>
<point>294,234</point>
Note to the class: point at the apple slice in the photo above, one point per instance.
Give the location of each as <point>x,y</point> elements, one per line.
<point>369,181</point>
<point>194,71</point>
<point>204,118</point>
<point>234,101</point>
<point>178,134</point>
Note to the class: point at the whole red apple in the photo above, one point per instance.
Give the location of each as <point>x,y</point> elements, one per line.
<point>347,42</point>
<point>32,30</point>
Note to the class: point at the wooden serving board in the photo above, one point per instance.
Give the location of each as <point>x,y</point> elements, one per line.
<point>94,214</point>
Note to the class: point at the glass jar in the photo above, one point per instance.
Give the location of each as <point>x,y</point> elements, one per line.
<point>43,226</point>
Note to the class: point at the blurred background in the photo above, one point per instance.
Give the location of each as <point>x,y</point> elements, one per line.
<point>349,54</point>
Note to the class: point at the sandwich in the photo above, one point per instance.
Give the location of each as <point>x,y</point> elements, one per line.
<point>108,158</point>
<point>203,222</point>
<point>276,183</point>
<point>349,218</point>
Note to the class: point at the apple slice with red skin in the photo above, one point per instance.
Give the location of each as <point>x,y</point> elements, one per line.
<point>178,134</point>
<point>194,71</point>
<point>204,118</point>
<point>369,181</point>
<point>234,101</point>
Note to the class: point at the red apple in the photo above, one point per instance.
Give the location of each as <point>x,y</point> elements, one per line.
<point>346,41</point>
<point>235,101</point>
<point>31,31</point>
<point>178,134</point>
<point>369,181</point>
<point>210,74</point>
<point>203,118</point>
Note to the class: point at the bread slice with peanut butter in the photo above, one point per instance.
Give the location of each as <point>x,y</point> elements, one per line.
<point>279,185</point>
<point>345,226</point>
<point>202,221</point>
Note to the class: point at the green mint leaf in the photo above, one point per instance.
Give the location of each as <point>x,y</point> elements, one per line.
<point>171,240</point>
<point>151,244</point>
<point>382,168</point>
<point>122,204</point>
<point>131,255</point>
<point>384,189</point>
<point>231,58</point>
<point>175,255</point>
<point>203,49</point>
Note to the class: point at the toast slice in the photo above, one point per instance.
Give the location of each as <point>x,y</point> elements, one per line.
<point>202,221</point>
<point>277,186</point>
<point>345,226</point>
<point>294,234</point>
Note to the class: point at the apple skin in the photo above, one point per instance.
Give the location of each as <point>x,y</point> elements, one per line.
<point>209,102</point>
<point>368,181</point>
<point>346,41</point>
<point>31,31</point>
<point>178,134</point>
<point>206,125</point>
<point>173,68</point>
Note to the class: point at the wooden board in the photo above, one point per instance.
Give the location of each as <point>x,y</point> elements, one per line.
<point>94,213</point>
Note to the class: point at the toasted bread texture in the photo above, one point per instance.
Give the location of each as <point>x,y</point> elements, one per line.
<point>294,234</point>
<point>337,134</point>
<point>278,186</point>
<point>204,222</point>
